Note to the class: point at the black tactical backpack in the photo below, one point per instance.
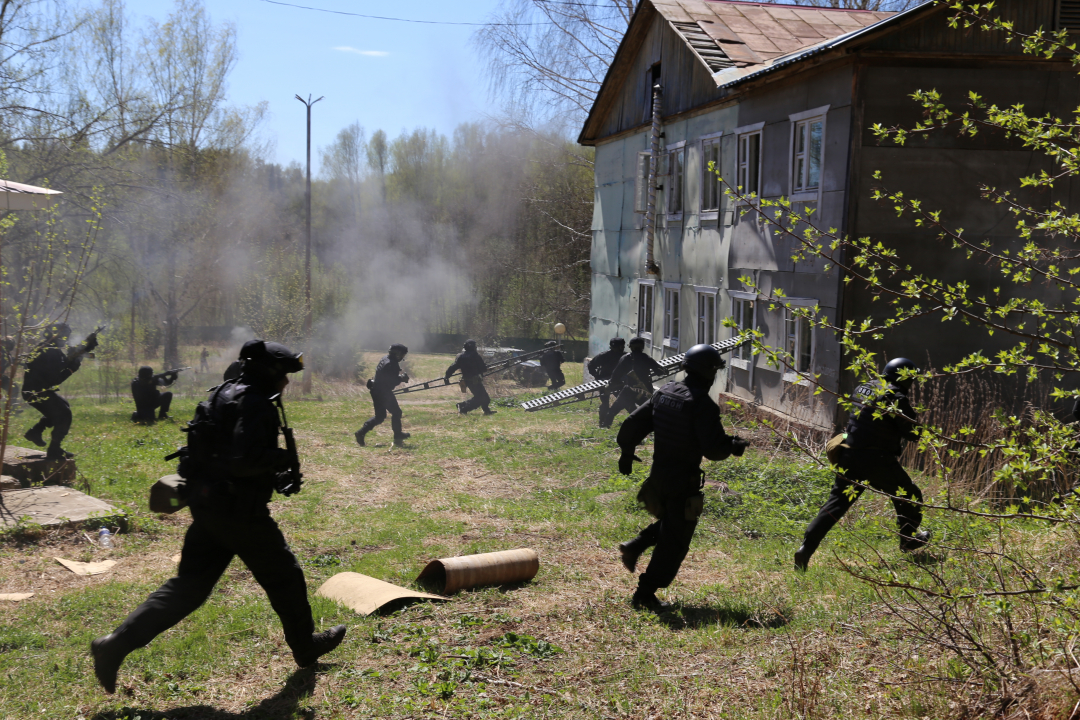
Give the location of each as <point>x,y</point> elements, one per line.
<point>209,433</point>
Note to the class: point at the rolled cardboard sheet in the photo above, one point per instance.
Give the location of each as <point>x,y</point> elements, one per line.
<point>469,571</point>
<point>365,594</point>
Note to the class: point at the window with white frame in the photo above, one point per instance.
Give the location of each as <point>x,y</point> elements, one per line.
<point>706,316</point>
<point>710,178</point>
<point>798,341</point>
<point>673,188</point>
<point>749,163</point>
<point>807,151</point>
<point>641,182</point>
<point>742,311</point>
<point>645,308</point>
<point>671,315</point>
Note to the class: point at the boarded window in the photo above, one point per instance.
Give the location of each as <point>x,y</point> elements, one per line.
<point>710,181</point>
<point>1069,15</point>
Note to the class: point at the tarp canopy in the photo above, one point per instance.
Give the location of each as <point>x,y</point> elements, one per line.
<point>16,196</point>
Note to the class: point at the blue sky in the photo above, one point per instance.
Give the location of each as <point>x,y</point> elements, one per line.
<point>382,74</point>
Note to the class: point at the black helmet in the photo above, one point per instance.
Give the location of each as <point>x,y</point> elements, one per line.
<point>550,343</point>
<point>269,360</point>
<point>616,341</point>
<point>637,343</point>
<point>58,330</point>
<point>400,349</point>
<point>146,372</point>
<point>470,345</point>
<point>702,361</point>
<point>893,370</point>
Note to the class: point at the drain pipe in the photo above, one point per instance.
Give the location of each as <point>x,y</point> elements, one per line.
<point>654,167</point>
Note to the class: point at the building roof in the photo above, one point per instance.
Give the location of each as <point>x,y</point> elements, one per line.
<point>17,196</point>
<point>748,34</point>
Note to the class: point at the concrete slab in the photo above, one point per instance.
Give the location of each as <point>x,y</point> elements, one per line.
<point>30,467</point>
<point>52,506</point>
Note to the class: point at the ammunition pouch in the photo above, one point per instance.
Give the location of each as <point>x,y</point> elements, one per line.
<point>651,497</point>
<point>695,505</point>
<point>370,384</point>
<point>835,447</point>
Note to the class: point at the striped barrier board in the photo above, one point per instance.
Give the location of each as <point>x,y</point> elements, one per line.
<point>590,390</point>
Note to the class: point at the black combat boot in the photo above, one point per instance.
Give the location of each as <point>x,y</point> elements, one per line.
<point>34,436</point>
<point>915,542</point>
<point>489,411</point>
<point>399,440</point>
<point>321,643</point>
<point>359,435</point>
<point>58,453</point>
<point>802,558</point>
<point>109,654</point>
<point>162,415</point>
<point>646,600</point>
<point>461,409</point>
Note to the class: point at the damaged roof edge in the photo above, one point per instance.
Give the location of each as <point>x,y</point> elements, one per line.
<point>830,44</point>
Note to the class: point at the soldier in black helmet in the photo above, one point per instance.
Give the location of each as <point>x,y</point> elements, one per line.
<point>870,455</point>
<point>631,381</point>
<point>49,364</point>
<point>232,469</point>
<point>686,425</point>
<point>388,375</point>
<point>147,396</point>
<point>601,367</point>
<point>472,369</point>
<point>552,361</point>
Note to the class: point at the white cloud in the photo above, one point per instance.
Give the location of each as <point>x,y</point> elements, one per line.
<point>367,53</point>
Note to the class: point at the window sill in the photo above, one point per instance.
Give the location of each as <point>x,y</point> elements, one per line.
<point>671,343</point>
<point>795,379</point>
<point>675,219</point>
<point>709,215</point>
<point>808,196</point>
<point>741,364</point>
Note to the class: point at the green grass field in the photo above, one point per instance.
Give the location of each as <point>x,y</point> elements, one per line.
<point>749,637</point>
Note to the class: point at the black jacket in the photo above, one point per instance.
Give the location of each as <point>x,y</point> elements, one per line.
<point>146,394</point>
<point>552,359</point>
<point>881,435</point>
<point>635,369</point>
<point>686,424</point>
<point>388,375</point>
<point>469,363</point>
<point>601,366</point>
<point>48,367</point>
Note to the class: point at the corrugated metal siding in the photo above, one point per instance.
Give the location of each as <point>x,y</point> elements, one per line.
<point>935,35</point>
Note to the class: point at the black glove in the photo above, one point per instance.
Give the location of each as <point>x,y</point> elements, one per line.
<point>626,462</point>
<point>285,484</point>
<point>91,342</point>
<point>404,377</point>
<point>738,445</point>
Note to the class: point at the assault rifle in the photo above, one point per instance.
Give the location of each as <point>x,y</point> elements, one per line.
<point>86,347</point>
<point>170,372</point>
<point>491,369</point>
<point>593,388</point>
<point>290,480</point>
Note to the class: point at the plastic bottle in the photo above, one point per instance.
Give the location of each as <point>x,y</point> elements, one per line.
<point>105,538</point>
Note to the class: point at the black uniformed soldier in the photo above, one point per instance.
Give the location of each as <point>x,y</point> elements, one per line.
<point>552,361</point>
<point>631,380</point>
<point>601,367</point>
<point>686,425</point>
<point>388,375</point>
<point>870,456</point>
<point>49,365</point>
<point>229,486</point>
<point>144,390</point>
<point>472,369</point>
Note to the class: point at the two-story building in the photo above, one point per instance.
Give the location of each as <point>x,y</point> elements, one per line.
<point>781,99</point>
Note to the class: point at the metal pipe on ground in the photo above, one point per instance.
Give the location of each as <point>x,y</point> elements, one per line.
<point>498,568</point>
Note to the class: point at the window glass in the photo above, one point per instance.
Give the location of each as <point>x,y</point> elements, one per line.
<point>645,308</point>
<point>813,177</point>
<point>671,316</point>
<point>706,318</point>
<point>710,184</point>
<point>743,310</point>
<point>749,163</point>
<point>798,341</point>
<point>806,162</point>
<point>675,182</point>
